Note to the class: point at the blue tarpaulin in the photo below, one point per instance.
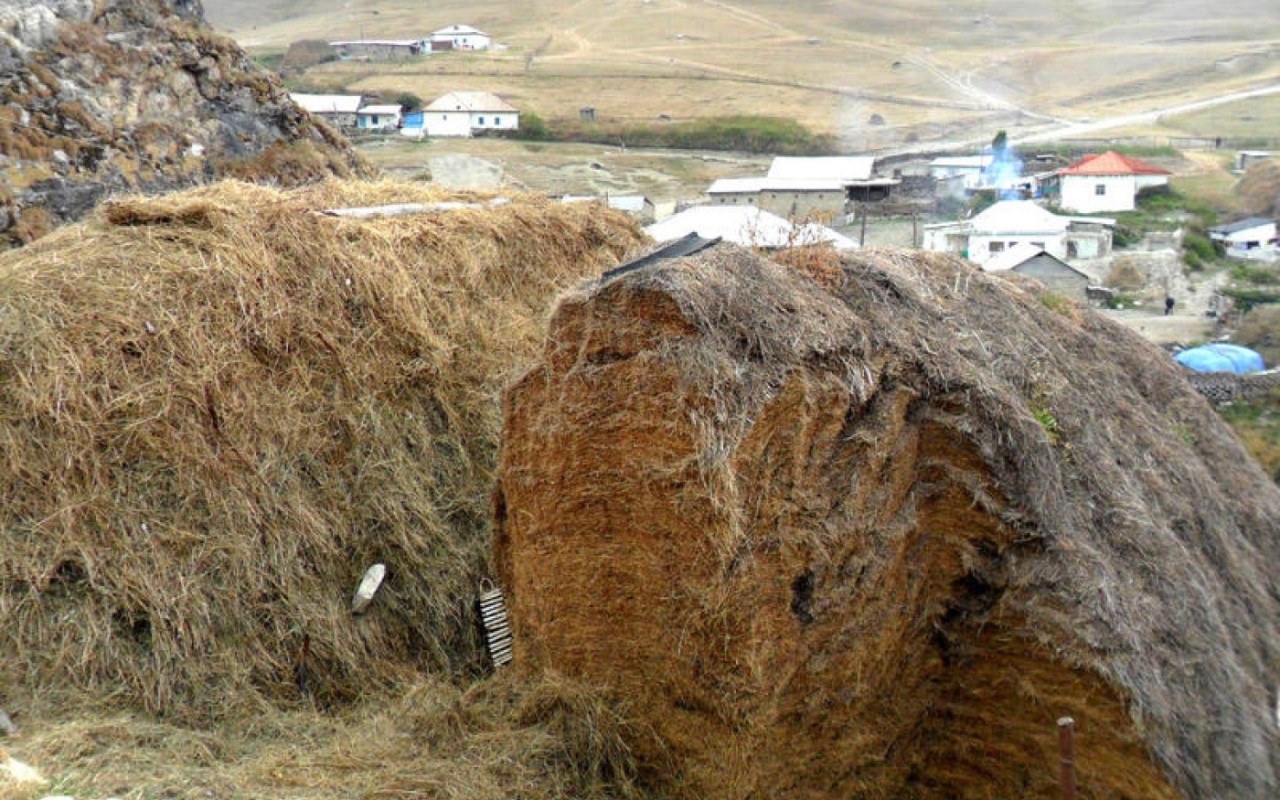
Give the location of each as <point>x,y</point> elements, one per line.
<point>1221,358</point>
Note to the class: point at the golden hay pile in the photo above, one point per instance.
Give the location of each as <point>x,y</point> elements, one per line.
<point>217,409</point>
<point>873,538</point>
<point>498,739</point>
<point>1259,188</point>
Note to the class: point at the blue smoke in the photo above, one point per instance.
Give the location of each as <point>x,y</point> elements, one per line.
<point>1003,172</point>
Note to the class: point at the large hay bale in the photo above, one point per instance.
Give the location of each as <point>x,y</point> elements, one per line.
<point>874,541</point>
<point>218,408</point>
<point>1259,188</point>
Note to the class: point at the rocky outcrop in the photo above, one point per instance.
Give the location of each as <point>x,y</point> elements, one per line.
<point>137,95</point>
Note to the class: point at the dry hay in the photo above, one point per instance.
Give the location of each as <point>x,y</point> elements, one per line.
<point>874,541</point>
<point>497,739</point>
<point>1259,188</point>
<point>218,408</point>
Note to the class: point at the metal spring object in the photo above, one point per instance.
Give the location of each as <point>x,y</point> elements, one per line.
<point>494,626</point>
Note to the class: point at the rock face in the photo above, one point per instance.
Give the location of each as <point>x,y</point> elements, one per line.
<point>128,95</point>
<point>874,540</point>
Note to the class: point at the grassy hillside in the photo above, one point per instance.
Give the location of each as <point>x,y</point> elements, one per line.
<point>925,67</point>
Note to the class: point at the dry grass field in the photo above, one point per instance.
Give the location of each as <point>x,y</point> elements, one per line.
<point>926,68</point>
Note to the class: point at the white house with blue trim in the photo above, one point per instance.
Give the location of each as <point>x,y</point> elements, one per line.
<point>465,114</point>
<point>379,118</point>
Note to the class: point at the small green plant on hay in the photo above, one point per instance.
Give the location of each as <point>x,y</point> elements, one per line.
<point>1185,434</point>
<point>1044,417</point>
<point>1047,421</point>
<point>1059,303</point>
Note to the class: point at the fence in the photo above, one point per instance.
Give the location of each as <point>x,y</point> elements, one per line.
<point>1223,387</point>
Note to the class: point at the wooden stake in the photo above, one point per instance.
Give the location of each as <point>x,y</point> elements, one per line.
<point>1067,757</point>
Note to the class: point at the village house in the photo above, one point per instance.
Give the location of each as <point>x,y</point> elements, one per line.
<point>339,110</point>
<point>855,173</point>
<point>956,175</point>
<point>1253,239</point>
<point>1012,222</point>
<point>1033,262</point>
<point>379,117</point>
<point>463,114</point>
<point>458,37</point>
<point>745,225</point>
<point>788,198</point>
<point>377,49</point>
<point>1106,183</point>
<point>826,188</point>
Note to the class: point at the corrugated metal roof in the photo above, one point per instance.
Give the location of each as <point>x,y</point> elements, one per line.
<point>963,162</point>
<point>753,185</point>
<point>391,109</point>
<point>1018,216</point>
<point>837,168</point>
<point>1242,225</point>
<point>459,30</point>
<point>328,103</point>
<point>1111,163</point>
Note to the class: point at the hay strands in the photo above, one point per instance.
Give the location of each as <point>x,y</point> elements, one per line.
<point>494,626</point>
<point>405,209</point>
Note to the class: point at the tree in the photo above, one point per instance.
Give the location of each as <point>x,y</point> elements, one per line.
<point>1001,142</point>
<point>409,100</point>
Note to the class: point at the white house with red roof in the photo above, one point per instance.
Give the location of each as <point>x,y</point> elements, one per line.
<point>1107,182</point>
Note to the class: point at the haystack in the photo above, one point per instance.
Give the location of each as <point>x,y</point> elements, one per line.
<point>1259,188</point>
<point>219,408</point>
<point>874,540</point>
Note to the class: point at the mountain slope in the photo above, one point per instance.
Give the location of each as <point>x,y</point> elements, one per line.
<point>137,95</point>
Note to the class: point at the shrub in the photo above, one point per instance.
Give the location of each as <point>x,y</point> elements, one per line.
<point>307,53</point>
<point>409,100</point>
<point>1124,274</point>
<point>1196,242</point>
<point>1255,275</point>
<point>752,134</point>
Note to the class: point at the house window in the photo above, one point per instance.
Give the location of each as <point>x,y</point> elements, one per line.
<point>482,120</point>
<point>497,122</point>
<point>997,247</point>
<point>1100,189</point>
<point>373,120</point>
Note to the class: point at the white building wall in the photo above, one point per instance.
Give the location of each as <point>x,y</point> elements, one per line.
<point>463,41</point>
<point>446,123</point>
<point>1147,181</point>
<point>980,245</point>
<point>969,177</point>
<point>1080,193</point>
<point>495,120</point>
<point>1254,244</point>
